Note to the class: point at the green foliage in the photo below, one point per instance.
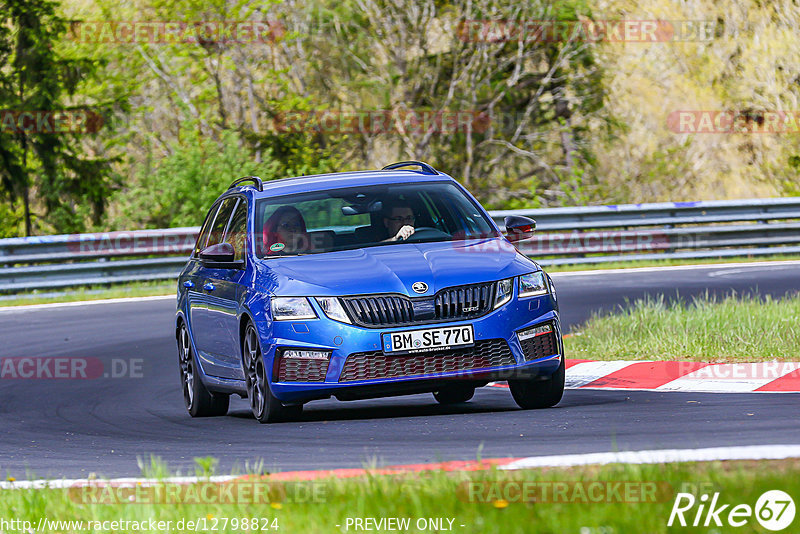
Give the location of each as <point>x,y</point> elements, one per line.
<point>790,184</point>
<point>205,467</point>
<point>70,185</point>
<point>179,189</point>
<point>557,122</point>
<point>12,219</point>
<point>201,116</point>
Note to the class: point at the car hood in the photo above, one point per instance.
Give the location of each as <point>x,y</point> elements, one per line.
<point>393,268</point>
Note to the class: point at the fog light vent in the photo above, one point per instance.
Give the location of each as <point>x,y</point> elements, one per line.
<point>538,342</point>
<point>295,365</point>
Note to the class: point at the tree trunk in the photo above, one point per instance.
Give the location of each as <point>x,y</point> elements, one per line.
<point>27,211</point>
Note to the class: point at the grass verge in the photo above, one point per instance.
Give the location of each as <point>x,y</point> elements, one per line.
<point>139,289</point>
<point>732,329</point>
<point>593,499</point>
<point>665,263</point>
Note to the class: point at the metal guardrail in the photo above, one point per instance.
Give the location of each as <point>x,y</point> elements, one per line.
<point>582,235</point>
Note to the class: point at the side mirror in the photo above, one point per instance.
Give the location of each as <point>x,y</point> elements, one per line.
<point>219,253</point>
<point>519,228</point>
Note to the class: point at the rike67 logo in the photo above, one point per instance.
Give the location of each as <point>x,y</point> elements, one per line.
<point>774,510</point>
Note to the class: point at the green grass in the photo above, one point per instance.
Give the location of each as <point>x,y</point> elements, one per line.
<point>483,501</point>
<point>139,289</point>
<point>706,329</point>
<point>664,263</point>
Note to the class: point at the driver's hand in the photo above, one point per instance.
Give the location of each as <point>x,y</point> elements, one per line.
<point>404,233</point>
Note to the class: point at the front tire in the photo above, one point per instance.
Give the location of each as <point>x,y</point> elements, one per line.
<point>265,406</point>
<point>534,394</point>
<point>453,394</point>
<point>199,401</point>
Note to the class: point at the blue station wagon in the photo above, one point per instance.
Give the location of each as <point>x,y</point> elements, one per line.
<point>359,285</point>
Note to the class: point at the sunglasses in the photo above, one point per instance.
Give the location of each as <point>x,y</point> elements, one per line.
<point>408,219</point>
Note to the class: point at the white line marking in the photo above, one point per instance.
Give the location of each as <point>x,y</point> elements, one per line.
<point>755,452</point>
<point>680,391</point>
<point>33,307</point>
<point>731,272</point>
<point>751,265</point>
<point>583,373</point>
<point>731,377</point>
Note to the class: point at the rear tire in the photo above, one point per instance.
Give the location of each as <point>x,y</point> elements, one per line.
<point>534,394</point>
<point>453,394</point>
<point>265,406</point>
<point>199,401</point>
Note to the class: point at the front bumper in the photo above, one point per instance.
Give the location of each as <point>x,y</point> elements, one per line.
<point>497,328</point>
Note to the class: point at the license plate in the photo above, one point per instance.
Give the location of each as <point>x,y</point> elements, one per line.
<point>443,338</point>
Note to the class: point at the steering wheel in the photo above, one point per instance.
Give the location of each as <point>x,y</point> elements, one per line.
<point>425,232</point>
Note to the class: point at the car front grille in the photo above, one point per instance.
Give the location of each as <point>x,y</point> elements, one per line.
<point>379,311</point>
<point>449,304</point>
<point>476,299</point>
<point>540,346</point>
<point>375,364</point>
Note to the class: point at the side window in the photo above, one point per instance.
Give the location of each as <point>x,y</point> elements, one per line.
<point>221,222</point>
<point>205,230</point>
<point>237,231</point>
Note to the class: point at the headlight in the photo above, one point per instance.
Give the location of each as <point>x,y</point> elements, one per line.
<point>532,284</point>
<point>292,308</point>
<point>333,309</point>
<point>503,292</point>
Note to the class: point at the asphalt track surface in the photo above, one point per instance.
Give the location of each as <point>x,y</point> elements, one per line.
<point>71,428</point>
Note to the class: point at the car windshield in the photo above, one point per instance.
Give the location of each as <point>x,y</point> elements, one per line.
<point>379,215</point>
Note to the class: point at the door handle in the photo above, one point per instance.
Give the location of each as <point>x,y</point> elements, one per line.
<point>209,287</point>
<point>189,284</point>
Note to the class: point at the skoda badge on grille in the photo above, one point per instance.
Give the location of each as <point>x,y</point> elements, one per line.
<point>419,287</point>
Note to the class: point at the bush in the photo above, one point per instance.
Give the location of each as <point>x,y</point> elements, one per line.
<point>179,189</point>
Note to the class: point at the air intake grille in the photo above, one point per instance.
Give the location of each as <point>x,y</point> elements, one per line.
<point>374,364</point>
<point>449,304</point>
<point>302,370</point>
<point>540,346</point>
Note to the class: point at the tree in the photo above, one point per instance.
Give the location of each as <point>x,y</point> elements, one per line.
<point>39,82</point>
<point>531,99</point>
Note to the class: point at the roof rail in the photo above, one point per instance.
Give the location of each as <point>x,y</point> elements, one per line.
<point>427,169</point>
<point>255,179</point>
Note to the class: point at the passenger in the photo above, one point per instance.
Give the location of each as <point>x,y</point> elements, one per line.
<point>285,232</point>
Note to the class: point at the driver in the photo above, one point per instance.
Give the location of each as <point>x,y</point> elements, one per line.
<point>399,222</point>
